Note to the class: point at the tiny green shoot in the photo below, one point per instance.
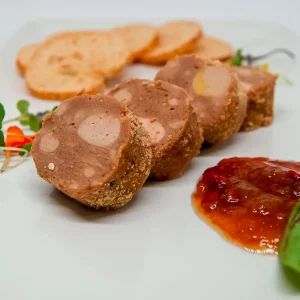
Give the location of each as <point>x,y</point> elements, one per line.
<point>22,106</point>
<point>27,118</point>
<point>286,80</point>
<point>2,115</point>
<point>2,141</point>
<point>25,147</point>
<point>237,60</point>
<point>240,59</point>
<point>34,123</point>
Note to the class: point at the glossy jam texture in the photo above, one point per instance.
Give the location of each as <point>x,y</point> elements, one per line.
<point>249,200</point>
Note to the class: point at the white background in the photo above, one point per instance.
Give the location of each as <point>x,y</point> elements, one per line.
<point>14,13</point>
<point>156,248</point>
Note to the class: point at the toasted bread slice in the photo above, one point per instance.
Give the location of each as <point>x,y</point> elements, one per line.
<point>26,53</point>
<point>59,70</point>
<point>24,56</point>
<point>74,63</point>
<point>139,38</point>
<point>175,38</point>
<point>106,51</point>
<point>211,48</point>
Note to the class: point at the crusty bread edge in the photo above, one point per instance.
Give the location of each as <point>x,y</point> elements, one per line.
<point>21,67</point>
<point>184,48</point>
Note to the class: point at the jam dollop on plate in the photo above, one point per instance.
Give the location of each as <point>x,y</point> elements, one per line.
<point>249,200</point>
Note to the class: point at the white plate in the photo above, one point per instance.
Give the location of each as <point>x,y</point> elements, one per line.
<point>156,247</point>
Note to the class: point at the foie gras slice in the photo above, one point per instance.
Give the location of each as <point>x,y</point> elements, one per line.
<point>94,150</point>
<point>217,97</point>
<point>259,86</point>
<point>166,113</point>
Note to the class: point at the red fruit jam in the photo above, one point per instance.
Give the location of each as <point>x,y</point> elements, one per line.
<point>249,200</point>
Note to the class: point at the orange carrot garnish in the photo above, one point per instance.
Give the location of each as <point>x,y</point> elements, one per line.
<point>15,138</point>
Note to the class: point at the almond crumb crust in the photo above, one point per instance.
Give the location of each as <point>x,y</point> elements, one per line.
<point>259,86</point>
<point>127,172</point>
<point>170,163</point>
<point>220,117</point>
<point>177,150</point>
<point>131,173</point>
<point>260,109</point>
<point>229,122</point>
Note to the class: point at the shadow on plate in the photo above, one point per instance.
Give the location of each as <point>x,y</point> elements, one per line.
<point>83,212</point>
<point>214,150</point>
<point>127,214</point>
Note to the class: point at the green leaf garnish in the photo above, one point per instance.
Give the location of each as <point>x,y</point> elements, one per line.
<point>54,108</point>
<point>2,114</point>
<point>26,147</point>
<point>23,106</point>
<point>289,251</point>
<point>24,120</point>
<point>34,123</point>
<point>237,60</point>
<point>2,141</point>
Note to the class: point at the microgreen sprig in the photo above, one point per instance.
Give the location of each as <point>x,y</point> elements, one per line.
<point>2,115</point>
<point>26,147</point>
<point>237,60</point>
<point>240,59</point>
<point>26,118</point>
<point>15,140</point>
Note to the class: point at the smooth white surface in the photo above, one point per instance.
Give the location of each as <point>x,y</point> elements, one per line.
<point>156,247</point>
<point>15,13</point>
